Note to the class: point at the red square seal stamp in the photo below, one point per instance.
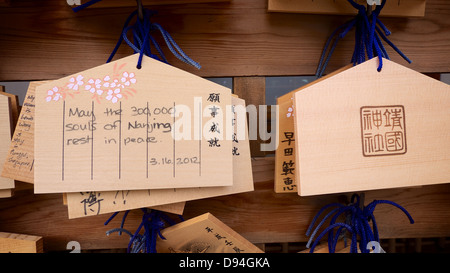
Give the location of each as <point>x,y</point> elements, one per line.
<point>383,130</point>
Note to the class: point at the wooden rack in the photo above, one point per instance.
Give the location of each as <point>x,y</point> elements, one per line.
<point>45,40</point>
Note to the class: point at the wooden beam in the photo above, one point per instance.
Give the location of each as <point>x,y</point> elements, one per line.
<point>239,38</point>
<point>261,216</point>
<point>253,91</point>
<point>410,8</point>
<point>4,3</point>
<point>20,243</point>
<point>122,3</point>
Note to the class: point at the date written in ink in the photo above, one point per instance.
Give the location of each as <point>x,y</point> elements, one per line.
<point>170,161</point>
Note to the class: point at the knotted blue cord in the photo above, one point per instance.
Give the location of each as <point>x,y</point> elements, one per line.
<point>85,5</point>
<point>348,211</point>
<point>143,41</point>
<point>318,214</point>
<point>331,227</point>
<point>347,26</point>
<point>120,230</point>
<point>367,39</point>
<point>320,225</point>
<point>357,223</point>
<point>153,222</point>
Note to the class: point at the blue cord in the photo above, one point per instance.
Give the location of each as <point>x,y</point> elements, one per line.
<point>367,39</point>
<point>143,40</point>
<point>153,222</point>
<point>357,223</point>
<point>85,5</point>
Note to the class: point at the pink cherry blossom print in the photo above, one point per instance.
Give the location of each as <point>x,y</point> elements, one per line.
<point>94,86</point>
<point>115,83</point>
<point>53,94</point>
<point>75,82</point>
<point>106,82</point>
<point>290,112</point>
<point>114,96</point>
<point>113,87</point>
<point>128,78</point>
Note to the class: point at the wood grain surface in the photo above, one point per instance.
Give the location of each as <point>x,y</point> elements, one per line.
<point>20,243</point>
<point>410,8</point>
<point>261,216</point>
<point>47,40</point>
<point>253,91</point>
<point>121,3</point>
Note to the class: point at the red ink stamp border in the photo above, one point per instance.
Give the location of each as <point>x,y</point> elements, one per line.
<point>404,150</point>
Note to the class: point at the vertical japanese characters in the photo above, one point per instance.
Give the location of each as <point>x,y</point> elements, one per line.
<point>285,153</point>
<point>383,130</point>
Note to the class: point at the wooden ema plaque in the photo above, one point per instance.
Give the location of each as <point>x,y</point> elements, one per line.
<point>19,163</point>
<point>203,234</point>
<point>362,130</point>
<point>84,204</point>
<point>6,184</point>
<point>116,127</point>
<point>20,243</point>
<point>284,180</point>
<point>409,8</point>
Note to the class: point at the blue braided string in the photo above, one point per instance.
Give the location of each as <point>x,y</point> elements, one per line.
<point>371,207</point>
<point>320,225</point>
<point>143,40</point>
<point>175,48</point>
<point>331,227</point>
<point>119,42</point>
<point>357,223</point>
<point>367,39</point>
<point>327,44</point>
<point>348,210</point>
<point>120,230</point>
<point>394,47</point>
<point>318,214</point>
<point>85,5</point>
<point>346,28</point>
<point>110,218</point>
<point>374,227</point>
<point>153,222</point>
<point>332,246</point>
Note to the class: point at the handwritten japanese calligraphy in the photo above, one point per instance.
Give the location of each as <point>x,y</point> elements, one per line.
<point>288,166</point>
<point>203,234</point>
<point>285,153</point>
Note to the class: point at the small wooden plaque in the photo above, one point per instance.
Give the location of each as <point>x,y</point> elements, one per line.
<point>284,181</point>
<point>93,203</point>
<point>20,243</point>
<point>203,234</point>
<point>116,127</point>
<point>19,162</point>
<point>363,130</point>
<point>5,139</point>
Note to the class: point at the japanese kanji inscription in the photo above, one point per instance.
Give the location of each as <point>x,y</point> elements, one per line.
<point>383,130</point>
<point>361,129</point>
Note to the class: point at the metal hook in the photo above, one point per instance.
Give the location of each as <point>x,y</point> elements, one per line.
<point>140,9</point>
